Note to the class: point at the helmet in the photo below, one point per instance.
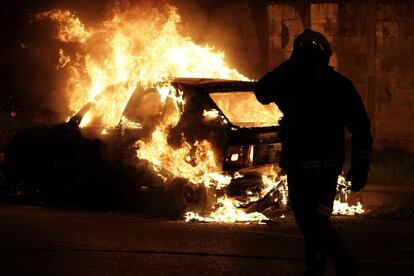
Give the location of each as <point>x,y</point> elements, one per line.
<point>311,48</point>
<point>312,41</point>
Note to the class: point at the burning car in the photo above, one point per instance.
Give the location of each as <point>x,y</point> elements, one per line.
<point>97,165</point>
<point>139,138</point>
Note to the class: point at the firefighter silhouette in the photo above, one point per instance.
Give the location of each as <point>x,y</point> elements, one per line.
<point>318,103</point>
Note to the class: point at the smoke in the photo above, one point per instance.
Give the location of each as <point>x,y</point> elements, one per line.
<point>28,75</point>
<point>235,27</point>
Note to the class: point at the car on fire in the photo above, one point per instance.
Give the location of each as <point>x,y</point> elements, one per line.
<point>95,166</point>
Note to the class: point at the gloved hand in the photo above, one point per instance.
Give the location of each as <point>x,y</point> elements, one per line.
<point>358,178</point>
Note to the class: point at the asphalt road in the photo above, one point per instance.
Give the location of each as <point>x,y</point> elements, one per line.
<point>41,241</point>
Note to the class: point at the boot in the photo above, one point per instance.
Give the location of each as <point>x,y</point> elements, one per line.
<point>347,267</point>
<point>315,266</point>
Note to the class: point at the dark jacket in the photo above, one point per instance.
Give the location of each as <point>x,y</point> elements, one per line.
<point>317,105</point>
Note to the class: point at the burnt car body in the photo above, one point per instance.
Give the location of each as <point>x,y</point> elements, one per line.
<point>64,163</point>
<point>255,145</point>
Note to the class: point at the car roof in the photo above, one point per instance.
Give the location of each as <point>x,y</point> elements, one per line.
<point>203,85</point>
<point>214,84</point>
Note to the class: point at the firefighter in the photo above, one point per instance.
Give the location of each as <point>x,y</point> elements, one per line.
<point>317,104</point>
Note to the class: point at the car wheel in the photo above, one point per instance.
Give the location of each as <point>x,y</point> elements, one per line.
<point>185,196</point>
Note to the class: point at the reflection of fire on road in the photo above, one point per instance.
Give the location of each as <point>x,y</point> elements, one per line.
<point>142,48</point>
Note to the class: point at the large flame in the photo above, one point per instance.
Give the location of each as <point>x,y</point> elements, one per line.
<point>195,162</point>
<point>142,48</point>
<point>134,48</point>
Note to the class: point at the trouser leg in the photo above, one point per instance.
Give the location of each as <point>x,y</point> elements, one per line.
<point>312,193</point>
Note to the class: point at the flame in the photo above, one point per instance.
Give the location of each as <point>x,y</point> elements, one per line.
<point>63,59</point>
<point>341,205</point>
<point>211,114</point>
<point>134,48</point>
<point>228,212</point>
<point>126,123</point>
<point>70,29</point>
<point>195,162</point>
<point>142,48</point>
<point>343,208</point>
<point>272,182</point>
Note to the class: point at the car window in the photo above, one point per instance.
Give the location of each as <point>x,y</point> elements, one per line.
<point>145,108</point>
<point>145,104</point>
<point>242,109</point>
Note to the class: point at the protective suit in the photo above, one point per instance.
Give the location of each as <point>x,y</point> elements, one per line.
<point>318,104</point>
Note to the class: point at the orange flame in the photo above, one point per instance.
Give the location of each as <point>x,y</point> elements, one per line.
<point>134,48</point>
<point>70,29</point>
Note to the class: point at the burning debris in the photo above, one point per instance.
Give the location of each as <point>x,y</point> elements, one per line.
<point>341,203</point>
<point>141,50</point>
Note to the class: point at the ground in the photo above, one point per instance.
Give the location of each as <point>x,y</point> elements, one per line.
<point>44,241</point>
